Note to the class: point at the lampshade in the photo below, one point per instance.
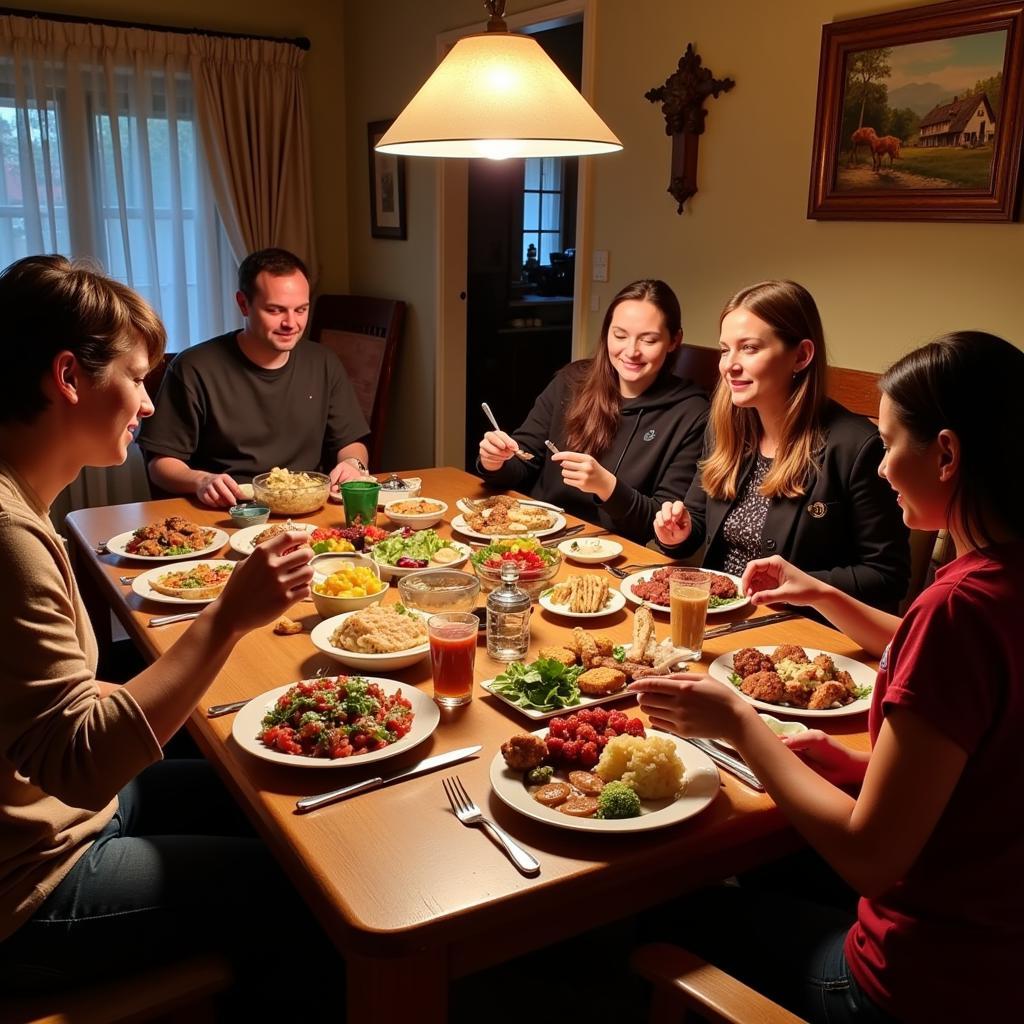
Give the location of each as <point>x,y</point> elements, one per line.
<point>498,94</point>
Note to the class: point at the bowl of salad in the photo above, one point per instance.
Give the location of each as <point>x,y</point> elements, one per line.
<point>537,564</point>
<point>406,551</point>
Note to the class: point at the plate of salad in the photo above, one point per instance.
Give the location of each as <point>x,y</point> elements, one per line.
<point>544,688</point>
<point>408,550</point>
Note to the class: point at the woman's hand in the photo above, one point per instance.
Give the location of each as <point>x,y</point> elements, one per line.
<point>672,524</point>
<point>832,760</point>
<point>585,473</point>
<point>775,581</point>
<point>496,449</point>
<point>691,704</point>
<point>268,582</point>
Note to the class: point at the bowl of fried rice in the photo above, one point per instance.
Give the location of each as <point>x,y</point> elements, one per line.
<point>381,637</point>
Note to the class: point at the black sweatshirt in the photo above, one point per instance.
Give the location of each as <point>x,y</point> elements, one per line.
<point>653,455</point>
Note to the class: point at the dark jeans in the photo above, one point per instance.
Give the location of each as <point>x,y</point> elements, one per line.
<point>787,948</point>
<point>178,870</point>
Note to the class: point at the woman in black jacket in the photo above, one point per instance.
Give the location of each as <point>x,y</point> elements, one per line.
<point>786,470</point>
<point>629,432</point>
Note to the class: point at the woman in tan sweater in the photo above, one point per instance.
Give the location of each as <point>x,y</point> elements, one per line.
<point>109,859</point>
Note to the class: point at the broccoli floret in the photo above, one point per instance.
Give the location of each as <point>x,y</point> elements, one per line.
<point>539,776</point>
<point>617,800</point>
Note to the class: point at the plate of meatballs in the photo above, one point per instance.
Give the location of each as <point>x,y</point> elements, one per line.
<point>651,588</point>
<point>806,682</point>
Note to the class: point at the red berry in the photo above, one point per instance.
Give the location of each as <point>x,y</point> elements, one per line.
<point>634,727</point>
<point>589,755</point>
<point>557,727</point>
<point>585,716</point>
<point>555,745</point>
<point>586,733</point>
<point>599,719</point>
<point>570,751</point>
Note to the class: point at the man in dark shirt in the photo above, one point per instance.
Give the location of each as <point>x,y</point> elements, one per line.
<point>247,401</point>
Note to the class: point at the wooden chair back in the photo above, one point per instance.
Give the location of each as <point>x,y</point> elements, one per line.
<point>363,332</point>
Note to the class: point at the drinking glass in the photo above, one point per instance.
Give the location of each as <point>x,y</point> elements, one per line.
<point>452,655</point>
<point>360,500</point>
<point>688,595</point>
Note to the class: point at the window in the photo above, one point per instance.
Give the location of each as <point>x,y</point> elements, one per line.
<point>115,173</point>
<point>543,184</point>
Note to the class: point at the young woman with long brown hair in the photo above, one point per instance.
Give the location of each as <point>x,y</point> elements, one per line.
<point>786,470</point>
<point>629,431</point>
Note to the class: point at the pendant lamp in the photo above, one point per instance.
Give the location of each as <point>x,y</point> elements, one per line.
<point>498,94</point>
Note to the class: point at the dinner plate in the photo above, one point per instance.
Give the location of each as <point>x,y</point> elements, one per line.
<point>626,586</point>
<point>116,546</point>
<point>590,550</point>
<point>395,572</point>
<point>141,583</point>
<point>246,727</point>
<point>321,637</point>
<point>459,523</point>
<point>615,603</point>
<point>702,784</point>
<point>863,675</point>
<point>242,540</point>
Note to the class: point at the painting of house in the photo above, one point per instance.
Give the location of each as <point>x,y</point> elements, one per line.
<point>966,121</point>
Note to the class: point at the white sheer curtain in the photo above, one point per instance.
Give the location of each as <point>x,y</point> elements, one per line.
<point>107,151</point>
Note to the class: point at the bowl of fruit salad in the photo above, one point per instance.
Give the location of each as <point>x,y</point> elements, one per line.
<point>537,564</point>
<point>345,582</point>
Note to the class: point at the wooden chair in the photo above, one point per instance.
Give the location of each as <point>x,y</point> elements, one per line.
<point>683,983</point>
<point>364,334</point>
<point>699,364</point>
<point>179,993</point>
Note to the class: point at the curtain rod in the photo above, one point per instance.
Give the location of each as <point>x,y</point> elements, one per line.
<point>302,42</point>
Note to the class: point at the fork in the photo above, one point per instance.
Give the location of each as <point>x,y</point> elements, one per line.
<point>469,814</point>
<point>524,456</point>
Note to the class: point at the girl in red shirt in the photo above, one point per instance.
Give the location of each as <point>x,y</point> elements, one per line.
<point>931,838</point>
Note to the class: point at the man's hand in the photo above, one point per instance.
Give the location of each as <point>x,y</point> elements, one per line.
<point>218,490</point>
<point>343,472</point>
<point>672,524</point>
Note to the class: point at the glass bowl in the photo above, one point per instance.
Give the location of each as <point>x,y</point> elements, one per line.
<point>287,500</point>
<point>533,581</point>
<point>439,590</point>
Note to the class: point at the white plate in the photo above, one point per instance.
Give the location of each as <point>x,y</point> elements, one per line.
<point>116,546</point>
<point>141,583</point>
<point>626,586</point>
<point>321,637</point>
<point>459,523</point>
<point>615,603</point>
<point>418,521</point>
<point>242,540</point>
<point>862,674</point>
<point>246,727</point>
<point>539,716</point>
<point>394,572</point>
<point>598,549</point>
<point>702,784</point>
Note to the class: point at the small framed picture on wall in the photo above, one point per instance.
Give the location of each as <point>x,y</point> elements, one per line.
<point>387,187</point>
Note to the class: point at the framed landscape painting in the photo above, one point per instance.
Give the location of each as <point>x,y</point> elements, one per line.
<point>919,115</point>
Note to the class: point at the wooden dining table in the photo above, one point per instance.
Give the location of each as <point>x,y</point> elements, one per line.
<point>412,898</point>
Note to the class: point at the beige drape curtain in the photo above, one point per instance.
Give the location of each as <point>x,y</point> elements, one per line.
<point>251,106</point>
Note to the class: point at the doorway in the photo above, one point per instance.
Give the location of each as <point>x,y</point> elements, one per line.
<point>521,264</point>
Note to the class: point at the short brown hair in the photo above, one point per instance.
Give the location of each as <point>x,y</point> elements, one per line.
<point>276,262</point>
<point>52,304</point>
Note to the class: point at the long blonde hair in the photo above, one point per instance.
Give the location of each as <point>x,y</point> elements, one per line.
<point>790,312</point>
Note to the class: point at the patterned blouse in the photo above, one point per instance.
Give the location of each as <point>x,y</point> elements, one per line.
<point>744,524</point>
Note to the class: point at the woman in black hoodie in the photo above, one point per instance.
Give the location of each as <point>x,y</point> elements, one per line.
<point>629,432</point>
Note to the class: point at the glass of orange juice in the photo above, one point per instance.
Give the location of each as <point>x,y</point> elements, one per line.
<point>688,595</point>
<point>452,655</point>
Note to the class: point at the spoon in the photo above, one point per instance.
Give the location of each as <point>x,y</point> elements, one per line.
<point>525,456</point>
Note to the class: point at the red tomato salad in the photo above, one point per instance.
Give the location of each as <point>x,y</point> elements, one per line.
<point>333,717</point>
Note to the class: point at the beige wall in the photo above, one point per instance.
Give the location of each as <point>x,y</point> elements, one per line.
<point>882,287</point>
<point>321,22</point>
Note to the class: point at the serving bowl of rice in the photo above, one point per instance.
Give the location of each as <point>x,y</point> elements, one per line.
<point>376,638</point>
<point>291,494</point>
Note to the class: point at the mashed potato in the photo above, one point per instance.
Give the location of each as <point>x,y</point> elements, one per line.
<point>651,767</point>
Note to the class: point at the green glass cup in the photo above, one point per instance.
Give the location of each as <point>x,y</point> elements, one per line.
<point>360,500</point>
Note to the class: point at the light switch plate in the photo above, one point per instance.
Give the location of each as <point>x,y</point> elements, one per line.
<point>600,265</point>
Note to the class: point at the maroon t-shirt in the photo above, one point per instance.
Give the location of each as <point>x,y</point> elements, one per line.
<point>947,942</point>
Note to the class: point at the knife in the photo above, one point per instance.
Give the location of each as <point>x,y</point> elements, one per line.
<point>428,764</point>
<point>733,765</point>
<point>756,623</point>
<point>166,620</point>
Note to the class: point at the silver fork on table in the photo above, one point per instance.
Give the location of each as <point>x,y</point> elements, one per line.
<point>469,814</point>
<point>621,572</point>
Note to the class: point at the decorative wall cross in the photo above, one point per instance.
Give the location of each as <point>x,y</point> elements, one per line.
<point>682,102</point>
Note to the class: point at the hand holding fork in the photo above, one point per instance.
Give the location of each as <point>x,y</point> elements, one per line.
<point>503,440</point>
